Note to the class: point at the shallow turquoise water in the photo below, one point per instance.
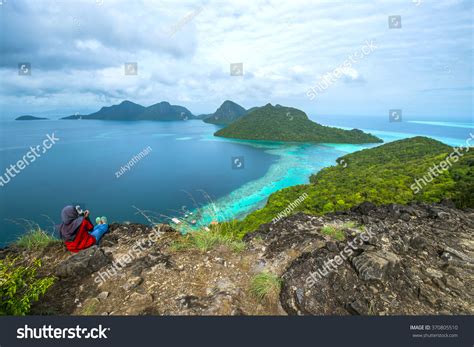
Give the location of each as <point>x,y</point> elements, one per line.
<point>463,125</point>
<point>297,162</point>
<point>187,168</point>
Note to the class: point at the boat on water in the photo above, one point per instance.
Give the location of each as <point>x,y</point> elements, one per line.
<point>175,220</point>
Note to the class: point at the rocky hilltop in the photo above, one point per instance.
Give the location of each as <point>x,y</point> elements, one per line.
<point>418,259</point>
<point>412,259</point>
<point>227,113</point>
<point>130,111</point>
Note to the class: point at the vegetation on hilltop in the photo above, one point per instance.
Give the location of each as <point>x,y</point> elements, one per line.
<point>280,123</point>
<point>380,175</point>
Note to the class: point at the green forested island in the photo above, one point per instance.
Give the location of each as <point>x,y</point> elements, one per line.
<point>380,175</point>
<point>280,123</point>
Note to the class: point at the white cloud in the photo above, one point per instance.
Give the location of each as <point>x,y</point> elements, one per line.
<point>350,74</point>
<point>91,45</point>
<point>77,51</point>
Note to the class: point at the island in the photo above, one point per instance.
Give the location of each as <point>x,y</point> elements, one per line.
<point>226,114</point>
<point>130,111</point>
<point>395,172</point>
<point>281,123</point>
<point>29,117</point>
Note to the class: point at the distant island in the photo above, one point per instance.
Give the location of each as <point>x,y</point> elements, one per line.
<point>227,113</point>
<point>281,123</point>
<point>28,117</point>
<point>130,111</point>
<point>268,123</point>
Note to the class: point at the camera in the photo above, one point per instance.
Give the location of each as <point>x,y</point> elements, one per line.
<point>80,210</point>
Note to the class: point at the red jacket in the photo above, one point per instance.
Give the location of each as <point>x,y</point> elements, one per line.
<point>83,239</point>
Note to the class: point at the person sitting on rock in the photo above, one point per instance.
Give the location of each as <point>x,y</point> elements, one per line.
<point>77,230</point>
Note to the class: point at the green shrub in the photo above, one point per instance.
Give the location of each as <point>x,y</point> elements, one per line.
<point>265,286</point>
<point>36,238</point>
<point>20,287</point>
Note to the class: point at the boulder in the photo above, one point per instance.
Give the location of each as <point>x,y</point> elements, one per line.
<point>83,263</point>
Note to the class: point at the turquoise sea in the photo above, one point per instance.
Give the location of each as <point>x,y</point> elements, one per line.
<point>186,168</point>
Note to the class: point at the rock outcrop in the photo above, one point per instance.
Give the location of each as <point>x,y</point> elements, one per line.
<point>371,260</point>
<point>136,271</point>
<point>417,259</point>
<point>83,263</point>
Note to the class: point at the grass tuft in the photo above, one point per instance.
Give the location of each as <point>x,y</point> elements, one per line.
<point>333,231</point>
<point>36,238</point>
<point>90,308</point>
<point>201,228</point>
<point>265,286</point>
<point>336,231</point>
<point>206,240</point>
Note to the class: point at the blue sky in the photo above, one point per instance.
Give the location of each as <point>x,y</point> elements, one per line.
<point>183,50</point>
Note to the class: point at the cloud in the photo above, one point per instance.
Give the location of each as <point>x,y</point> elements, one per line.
<point>350,75</point>
<point>184,50</point>
<point>58,35</point>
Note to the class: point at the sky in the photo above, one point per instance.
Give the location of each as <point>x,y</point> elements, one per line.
<point>183,50</point>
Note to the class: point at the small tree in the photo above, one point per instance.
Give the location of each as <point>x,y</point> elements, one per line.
<point>20,287</point>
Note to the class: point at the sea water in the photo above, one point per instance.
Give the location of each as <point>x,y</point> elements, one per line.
<point>187,170</point>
